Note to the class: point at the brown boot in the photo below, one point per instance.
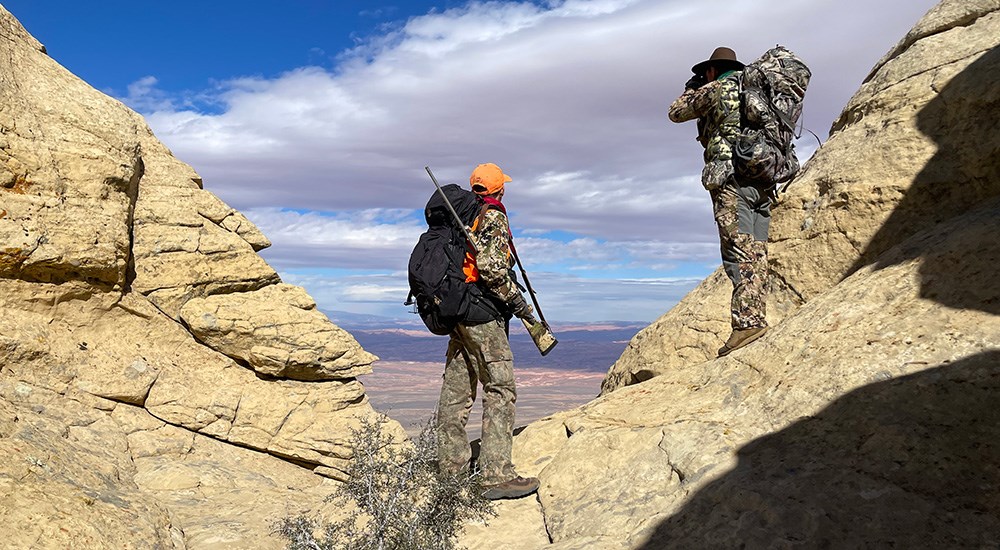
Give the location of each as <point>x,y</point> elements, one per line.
<point>514,488</point>
<point>740,338</point>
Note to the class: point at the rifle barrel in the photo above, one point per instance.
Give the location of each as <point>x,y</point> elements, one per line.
<point>468,236</point>
<point>527,283</point>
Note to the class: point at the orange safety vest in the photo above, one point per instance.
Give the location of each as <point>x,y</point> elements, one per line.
<point>469,266</point>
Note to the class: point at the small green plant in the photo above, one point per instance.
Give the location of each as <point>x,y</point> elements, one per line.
<point>402,501</point>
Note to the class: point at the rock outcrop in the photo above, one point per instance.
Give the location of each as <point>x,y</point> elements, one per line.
<point>152,364</point>
<point>285,337</point>
<point>866,417</point>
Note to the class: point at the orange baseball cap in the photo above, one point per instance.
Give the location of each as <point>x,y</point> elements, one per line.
<point>487,179</point>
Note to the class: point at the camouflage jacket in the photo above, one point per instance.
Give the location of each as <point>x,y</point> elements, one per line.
<point>494,261</point>
<point>716,105</point>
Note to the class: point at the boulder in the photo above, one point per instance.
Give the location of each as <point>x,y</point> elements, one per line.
<point>68,483</point>
<point>188,243</point>
<point>69,165</point>
<point>220,495</point>
<point>278,332</point>
<point>872,401</point>
<point>110,349</point>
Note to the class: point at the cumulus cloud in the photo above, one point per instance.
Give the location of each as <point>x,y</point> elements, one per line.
<point>377,294</point>
<point>569,97</point>
<point>143,95</point>
<point>363,240</point>
<point>570,90</point>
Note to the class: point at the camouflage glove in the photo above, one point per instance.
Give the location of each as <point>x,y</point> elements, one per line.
<point>520,307</point>
<point>695,82</point>
<point>716,173</point>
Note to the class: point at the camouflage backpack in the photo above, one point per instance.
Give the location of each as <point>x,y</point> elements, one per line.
<point>771,92</point>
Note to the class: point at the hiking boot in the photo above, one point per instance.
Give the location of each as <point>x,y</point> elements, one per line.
<point>740,338</point>
<point>515,488</point>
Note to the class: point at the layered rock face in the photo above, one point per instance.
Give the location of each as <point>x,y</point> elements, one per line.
<point>149,357</point>
<point>911,149</point>
<point>867,417</point>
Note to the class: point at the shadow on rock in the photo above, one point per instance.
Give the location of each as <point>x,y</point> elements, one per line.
<point>912,462</point>
<point>964,174</point>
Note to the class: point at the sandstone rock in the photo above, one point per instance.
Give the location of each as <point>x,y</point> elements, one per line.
<point>78,168</point>
<point>220,496</point>
<point>509,530</point>
<point>69,486</point>
<point>132,353</point>
<point>277,331</point>
<point>905,438</point>
<point>911,136</point>
<point>537,444</point>
<point>714,453</point>
<point>190,244</point>
<point>237,223</point>
<point>866,417</point>
<point>576,489</point>
<point>65,199</point>
<point>128,480</point>
<point>108,348</point>
<point>117,427</point>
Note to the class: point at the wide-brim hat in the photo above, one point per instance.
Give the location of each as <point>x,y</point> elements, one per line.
<point>723,58</point>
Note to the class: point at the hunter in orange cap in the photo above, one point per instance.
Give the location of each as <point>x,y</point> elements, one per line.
<point>488,179</point>
<point>479,353</point>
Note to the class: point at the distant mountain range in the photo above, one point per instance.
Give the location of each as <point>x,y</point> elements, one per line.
<point>590,347</point>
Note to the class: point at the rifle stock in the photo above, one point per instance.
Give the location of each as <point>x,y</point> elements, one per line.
<point>540,334</point>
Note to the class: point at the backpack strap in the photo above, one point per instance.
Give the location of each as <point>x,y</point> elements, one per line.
<point>479,219</point>
<point>489,202</point>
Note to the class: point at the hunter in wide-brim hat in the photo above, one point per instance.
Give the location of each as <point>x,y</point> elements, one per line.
<point>724,59</point>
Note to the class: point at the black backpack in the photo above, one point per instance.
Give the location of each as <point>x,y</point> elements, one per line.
<point>771,92</point>
<point>437,283</point>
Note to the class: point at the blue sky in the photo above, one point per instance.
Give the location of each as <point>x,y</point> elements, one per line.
<point>316,118</point>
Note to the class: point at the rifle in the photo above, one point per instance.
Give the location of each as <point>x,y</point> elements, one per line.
<point>539,331</point>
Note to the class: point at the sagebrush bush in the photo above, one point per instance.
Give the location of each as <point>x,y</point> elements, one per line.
<point>402,500</point>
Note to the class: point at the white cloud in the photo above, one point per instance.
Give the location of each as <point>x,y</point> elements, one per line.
<point>381,294</point>
<point>581,87</point>
<point>145,96</point>
<point>567,298</point>
<point>374,239</point>
<point>380,240</point>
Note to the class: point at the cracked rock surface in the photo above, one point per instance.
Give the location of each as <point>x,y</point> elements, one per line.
<point>124,424</point>
<point>286,336</point>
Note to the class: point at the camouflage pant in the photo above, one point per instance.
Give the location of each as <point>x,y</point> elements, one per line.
<point>479,353</point>
<point>743,215</point>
